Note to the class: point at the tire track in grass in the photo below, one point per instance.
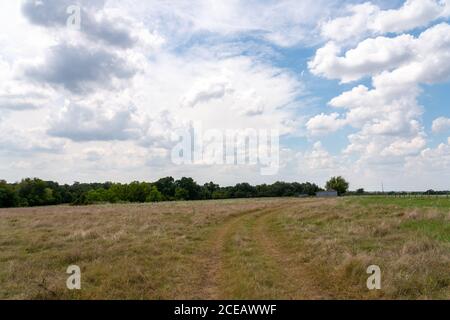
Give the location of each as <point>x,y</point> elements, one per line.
<point>297,281</point>
<point>214,256</point>
<point>244,271</point>
<point>245,261</point>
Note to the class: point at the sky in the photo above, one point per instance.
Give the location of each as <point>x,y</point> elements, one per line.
<point>354,88</point>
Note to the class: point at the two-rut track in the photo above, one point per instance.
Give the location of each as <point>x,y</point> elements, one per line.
<point>243,260</point>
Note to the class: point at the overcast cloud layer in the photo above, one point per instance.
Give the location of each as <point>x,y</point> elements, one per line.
<point>359,90</point>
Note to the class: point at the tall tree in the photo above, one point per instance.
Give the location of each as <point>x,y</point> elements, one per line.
<point>155,195</point>
<point>167,187</point>
<point>8,196</point>
<point>190,186</point>
<point>338,184</point>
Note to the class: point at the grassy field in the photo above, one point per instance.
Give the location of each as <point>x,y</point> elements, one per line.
<point>231,249</point>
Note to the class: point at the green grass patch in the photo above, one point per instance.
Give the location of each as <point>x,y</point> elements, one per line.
<point>412,202</point>
<point>435,229</point>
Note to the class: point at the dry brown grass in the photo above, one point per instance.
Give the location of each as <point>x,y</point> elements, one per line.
<point>124,251</point>
<point>340,239</point>
<point>248,249</point>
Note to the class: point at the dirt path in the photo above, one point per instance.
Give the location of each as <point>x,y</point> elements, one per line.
<point>297,283</point>
<point>244,259</point>
<point>214,260</point>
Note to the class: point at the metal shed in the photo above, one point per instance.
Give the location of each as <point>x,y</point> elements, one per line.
<point>327,194</point>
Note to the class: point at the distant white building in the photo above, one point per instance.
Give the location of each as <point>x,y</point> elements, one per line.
<point>327,194</point>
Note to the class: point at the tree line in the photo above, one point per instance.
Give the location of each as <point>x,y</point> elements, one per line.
<point>37,192</point>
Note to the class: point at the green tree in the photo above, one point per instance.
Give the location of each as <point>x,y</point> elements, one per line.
<point>181,194</point>
<point>193,190</point>
<point>137,192</point>
<point>338,184</point>
<point>98,196</point>
<point>35,192</point>
<point>244,190</point>
<point>49,197</point>
<point>219,194</point>
<point>208,190</point>
<point>167,187</point>
<point>309,188</point>
<point>155,195</point>
<point>81,200</point>
<point>117,192</point>
<point>8,196</point>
